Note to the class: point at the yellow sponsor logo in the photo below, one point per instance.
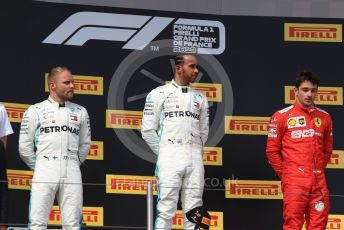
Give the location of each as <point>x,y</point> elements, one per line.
<point>246,125</point>
<point>15,111</point>
<point>125,184</point>
<point>292,122</point>
<point>212,156</point>
<point>336,160</point>
<point>312,32</point>
<point>212,91</point>
<point>216,222</point>
<point>325,95</point>
<point>123,119</point>
<point>91,216</point>
<point>335,222</point>
<point>19,179</point>
<point>253,189</point>
<point>96,151</point>
<point>91,85</point>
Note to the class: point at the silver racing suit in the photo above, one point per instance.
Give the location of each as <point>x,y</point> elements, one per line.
<point>53,141</point>
<point>175,125</point>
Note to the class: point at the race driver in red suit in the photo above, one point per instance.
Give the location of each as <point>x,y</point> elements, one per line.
<point>299,146</point>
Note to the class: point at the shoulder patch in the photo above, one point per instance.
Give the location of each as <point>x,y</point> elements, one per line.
<point>321,110</point>
<point>286,109</point>
<point>38,105</point>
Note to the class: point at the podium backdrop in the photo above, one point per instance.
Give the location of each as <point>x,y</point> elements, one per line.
<point>248,66</point>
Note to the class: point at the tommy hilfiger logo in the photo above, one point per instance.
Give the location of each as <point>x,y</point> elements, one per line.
<point>73,117</point>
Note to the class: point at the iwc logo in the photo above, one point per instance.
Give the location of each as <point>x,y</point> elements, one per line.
<point>143,70</point>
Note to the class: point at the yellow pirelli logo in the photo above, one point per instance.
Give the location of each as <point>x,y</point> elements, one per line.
<point>90,85</point>
<point>96,151</point>
<point>336,160</point>
<point>246,125</point>
<point>335,222</point>
<point>15,111</point>
<point>125,184</point>
<point>212,156</point>
<point>91,216</point>
<point>216,222</point>
<point>312,32</point>
<point>19,179</point>
<point>253,189</point>
<point>211,90</point>
<point>123,119</point>
<point>325,96</point>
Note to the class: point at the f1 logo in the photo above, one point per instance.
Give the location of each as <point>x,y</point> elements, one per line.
<point>136,30</point>
<point>83,26</point>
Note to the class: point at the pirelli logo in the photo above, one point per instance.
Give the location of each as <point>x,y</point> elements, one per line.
<point>90,85</point>
<point>91,216</point>
<point>212,156</point>
<point>212,91</point>
<point>123,119</point>
<point>19,179</point>
<point>312,32</point>
<point>246,125</point>
<point>336,160</point>
<point>125,184</point>
<point>216,222</point>
<point>15,111</point>
<point>96,151</point>
<point>253,189</point>
<point>325,96</point>
<point>334,222</point>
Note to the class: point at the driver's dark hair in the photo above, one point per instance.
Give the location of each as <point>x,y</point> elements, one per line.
<point>179,59</point>
<point>306,76</point>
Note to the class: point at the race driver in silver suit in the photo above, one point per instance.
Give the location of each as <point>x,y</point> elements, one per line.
<point>54,140</point>
<point>175,125</point>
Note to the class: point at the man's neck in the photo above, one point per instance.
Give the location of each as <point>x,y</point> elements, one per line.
<point>57,99</point>
<point>180,82</point>
<point>304,106</point>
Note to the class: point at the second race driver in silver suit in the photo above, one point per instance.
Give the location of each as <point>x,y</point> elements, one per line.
<point>175,125</point>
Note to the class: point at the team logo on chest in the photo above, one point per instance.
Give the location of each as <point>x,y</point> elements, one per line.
<point>317,121</point>
<point>295,122</point>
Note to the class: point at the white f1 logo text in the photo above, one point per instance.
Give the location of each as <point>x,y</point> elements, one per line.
<point>136,30</point>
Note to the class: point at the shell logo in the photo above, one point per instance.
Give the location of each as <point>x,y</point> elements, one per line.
<point>292,122</point>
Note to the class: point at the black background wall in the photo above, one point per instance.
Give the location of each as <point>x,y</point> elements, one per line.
<point>257,63</point>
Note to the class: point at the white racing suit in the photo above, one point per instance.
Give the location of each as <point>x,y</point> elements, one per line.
<point>53,142</point>
<point>175,125</point>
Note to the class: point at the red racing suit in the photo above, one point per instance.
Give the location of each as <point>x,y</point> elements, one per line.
<point>299,146</point>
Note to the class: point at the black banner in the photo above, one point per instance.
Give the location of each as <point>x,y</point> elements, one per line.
<point>248,66</point>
